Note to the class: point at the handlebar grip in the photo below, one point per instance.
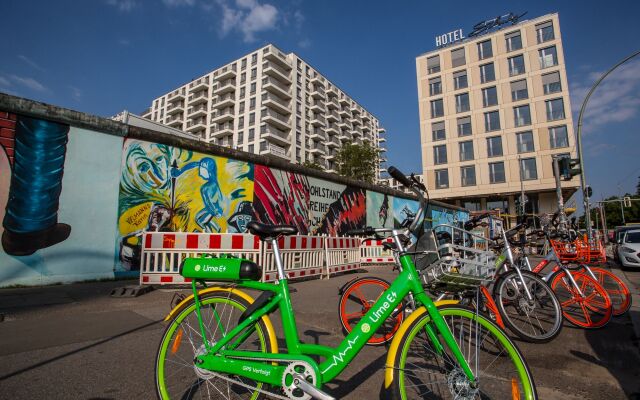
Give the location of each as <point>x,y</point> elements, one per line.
<point>399,176</point>
<point>473,222</point>
<point>368,231</point>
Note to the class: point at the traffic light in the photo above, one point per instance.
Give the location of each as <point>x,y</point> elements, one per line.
<point>627,201</point>
<point>588,191</point>
<point>569,167</point>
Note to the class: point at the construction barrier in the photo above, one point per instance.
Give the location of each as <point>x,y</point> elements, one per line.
<point>162,252</point>
<point>302,256</point>
<point>372,252</point>
<point>342,254</point>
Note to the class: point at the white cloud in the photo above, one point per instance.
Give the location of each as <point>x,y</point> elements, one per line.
<point>29,83</point>
<point>304,43</point>
<point>123,5</point>
<point>4,82</point>
<point>247,17</point>
<point>178,3</point>
<point>124,42</point>
<point>617,98</point>
<point>31,63</point>
<point>76,93</point>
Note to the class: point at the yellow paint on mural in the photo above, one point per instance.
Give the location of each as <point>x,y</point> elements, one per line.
<point>135,218</point>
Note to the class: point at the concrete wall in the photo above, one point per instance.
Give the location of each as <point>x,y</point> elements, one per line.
<point>79,190</point>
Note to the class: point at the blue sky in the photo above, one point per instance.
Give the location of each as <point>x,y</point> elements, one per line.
<point>103,56</point>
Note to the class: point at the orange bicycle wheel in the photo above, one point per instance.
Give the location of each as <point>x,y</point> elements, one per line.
<point>591,310</point>
<point>616,289</point>
<point>357,298</point>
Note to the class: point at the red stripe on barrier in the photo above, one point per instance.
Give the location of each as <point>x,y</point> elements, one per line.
<point>304,242</point>
<point>256,242</point>
<point>168,240</point>
<point>192,241</point>
<point>237,242</point>
<point>147,241</point>
<point>302,273</point>
<point>166,279</point>
<point>145,279</point>
<point>215,241</point>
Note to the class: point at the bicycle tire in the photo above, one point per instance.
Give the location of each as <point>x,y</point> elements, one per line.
<point>514,378</point>
<point>618,292</point>
<point>518,313</point>
<point>357,298</point>
<point>578,310</point>
<point>174,360</point>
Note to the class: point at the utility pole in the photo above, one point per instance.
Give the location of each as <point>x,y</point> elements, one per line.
<point>556,173</point>
<point>522,199</point>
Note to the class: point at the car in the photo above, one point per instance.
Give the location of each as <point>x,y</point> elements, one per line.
<point>618,233</point>
<point>629,249</point>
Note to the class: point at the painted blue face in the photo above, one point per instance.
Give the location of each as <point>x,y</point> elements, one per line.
<point>208,169</point>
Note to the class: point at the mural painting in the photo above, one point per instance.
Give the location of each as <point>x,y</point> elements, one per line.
<point>281,197</point>
<point>336,208</point>
<point>403,209</point>
<point>164,188</point>
<point>379,210</point>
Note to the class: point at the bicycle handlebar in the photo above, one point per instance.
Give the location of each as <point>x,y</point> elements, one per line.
<point>367,231</point>
<point>399,176</point>
<point>473,222</point>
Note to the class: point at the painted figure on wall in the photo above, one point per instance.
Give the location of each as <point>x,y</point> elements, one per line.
<point>379,210</point>
<point>403,209</point>
<point>348,212</point>
<point>31,216</point>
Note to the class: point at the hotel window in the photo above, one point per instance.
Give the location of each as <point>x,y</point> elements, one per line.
<point>464,126</point>
<point>437,108</point>
<point>252,103</point>
<point>485,50</point>
<point>440,154</point>
<point>254,73</point>
<point>514,41</point>
<point>519,90</point>
<point>489,96</point>
<point>548,57</point>
<point>242,105</point>
<point>494,146</point>
<point>496,172</point>
<point>252,90</point>
<point>468,175</point>
<point>240,137</point>
<point>433,64</point>
<point>551,83</point>
<point>252,118</point>
<point>243,77</point>
<point>437,131</point>
<point>242,92</point>
<point>243,63</point>
<point>462,102</point>
<point>528,169</point>
<point>491,121</point>
<point>466,150</point>
<point>460,80</point>
<point>524,141</point>
<point>558,137</point>
<point>241,122</point>
<point>487,73</point>
<point>544,32</point>
<point>252,134</point>
<point>516,65</point>
<point>522,115</point>
<point>442,178</point>
<point>254,59</point>
<point>457,57</point>
<point>435,86</point>
<point>555,109</point>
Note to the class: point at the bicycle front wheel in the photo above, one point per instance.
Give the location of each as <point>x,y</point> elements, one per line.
<point>177,376</point>
<point>538,320</point>
<point>421,371</point>
<point>616,289</point>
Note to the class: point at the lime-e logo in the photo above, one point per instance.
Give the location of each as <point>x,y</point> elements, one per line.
<point>365,327</point>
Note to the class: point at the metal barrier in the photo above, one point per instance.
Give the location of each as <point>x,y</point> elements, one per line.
<point>302,256</point>
<point>342,254</point>
<point>372,252</point>
<point>162,252</point>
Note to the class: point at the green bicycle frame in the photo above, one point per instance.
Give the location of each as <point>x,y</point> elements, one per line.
<point>223,356</point>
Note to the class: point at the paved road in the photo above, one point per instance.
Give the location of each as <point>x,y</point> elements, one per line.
<point>76,342</point>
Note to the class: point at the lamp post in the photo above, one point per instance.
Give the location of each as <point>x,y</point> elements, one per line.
<point>583,179</point>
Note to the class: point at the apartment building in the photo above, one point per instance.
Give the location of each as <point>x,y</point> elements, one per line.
<point>394,184</point>
<point>494,109</point>
<point>269,102</point>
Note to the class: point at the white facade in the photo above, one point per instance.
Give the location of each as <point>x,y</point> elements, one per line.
<point>269,102</point>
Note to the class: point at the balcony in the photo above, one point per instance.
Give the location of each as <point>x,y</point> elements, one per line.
<point>355,110</point>
<point>333,116</point>
<point>331,154</point>
<point>317,106</point>
<point>176,95</point>
<point>316,79</point>
<point>366,117</point>
<point>333,104</point>
<point>317,134</point>
<point>175,108</point>
<point>344,101</point>
<point>345,136</point>
<point>221,130</point>
<point>200,84</point>
<point>275,118</point>
<point>220,116</point>
<point>273,69</point>
<point>276,103</point>
<point>382,149</point>
<point>197,111</point>
<point>226,73</point>
<point>345,124</point>
<point>318,120</point>
<point>226,86</point>
<point>273,134</point>
<point>175,122</point>
<point>318,93</point>
<point>317,148</point>
<point>225,100</point>
<point>333,128</point>
<point>366,128</point>
<point>332,92</point>
<point>381,139</point>
<point>274,86</point>
<point>198,98</point>
<point>357,131</point>
<point>356,121</point>
<point>197,124</point>
<point>345,112</point>
<point>275,55</point>
<point>273,149</point>
<point>333,141</point>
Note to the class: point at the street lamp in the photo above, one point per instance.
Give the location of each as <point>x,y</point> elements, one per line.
<point>583,179</point>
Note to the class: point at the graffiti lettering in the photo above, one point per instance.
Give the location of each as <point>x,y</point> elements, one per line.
<point>139,215</point>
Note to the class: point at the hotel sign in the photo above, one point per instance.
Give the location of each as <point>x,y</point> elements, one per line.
<point>478,29</point>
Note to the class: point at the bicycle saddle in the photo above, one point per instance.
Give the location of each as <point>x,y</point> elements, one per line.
<point>266,232</point>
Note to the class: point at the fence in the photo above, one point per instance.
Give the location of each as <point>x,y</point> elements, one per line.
<point>372,253</point>
<point>342,254</point>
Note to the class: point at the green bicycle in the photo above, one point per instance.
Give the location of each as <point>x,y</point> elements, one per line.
<point>220,342</point>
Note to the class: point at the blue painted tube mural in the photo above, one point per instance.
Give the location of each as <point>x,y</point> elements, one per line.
<point>31,219</point>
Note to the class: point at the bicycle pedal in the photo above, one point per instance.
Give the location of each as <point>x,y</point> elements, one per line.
<point>302,384</point>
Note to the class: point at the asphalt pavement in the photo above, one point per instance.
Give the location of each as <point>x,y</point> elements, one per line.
<point>76,342</point>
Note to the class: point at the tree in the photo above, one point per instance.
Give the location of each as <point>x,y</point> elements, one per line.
<point>358,161</point>
<point>638,187</point>
<point>613,212</point>
<point>312,165</point>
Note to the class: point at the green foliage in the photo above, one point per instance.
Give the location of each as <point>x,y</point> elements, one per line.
<point>312,165</point>
<point>613,213</point>
<point>358,161</point>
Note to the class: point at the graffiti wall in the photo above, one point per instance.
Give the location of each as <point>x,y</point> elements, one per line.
<point>379,210</point>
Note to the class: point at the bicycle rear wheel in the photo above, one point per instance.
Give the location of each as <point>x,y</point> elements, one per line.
<point>616,289</point>
<point>421,371</point>
<point>590,311</point>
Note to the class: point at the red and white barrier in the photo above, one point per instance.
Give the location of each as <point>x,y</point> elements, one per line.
<point>372,252</point>
<point>162,252</point>
<point>342,254</point>
<point>302,256</point>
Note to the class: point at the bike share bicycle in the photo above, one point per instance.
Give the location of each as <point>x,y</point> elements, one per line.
<point>220,342</point>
